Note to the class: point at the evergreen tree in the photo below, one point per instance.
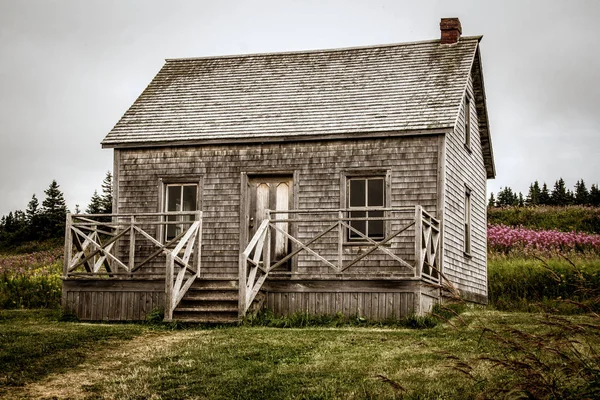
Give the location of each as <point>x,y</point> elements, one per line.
<point>33,219</point>
<point>521,202</point>
<point>533,196</point>
<point>77,209</point>
<point>32,209</point>
<point>492,202</point>
<point>507,198</point>
<point>95,206</point>
<point>594,198</point>
<point>581,193</point>
<point>54,211</point>
<point>544,195</point>
<point>107,197</point>
<point>559,196</point>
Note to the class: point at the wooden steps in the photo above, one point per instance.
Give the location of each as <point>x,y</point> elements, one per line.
<point>213,301</point>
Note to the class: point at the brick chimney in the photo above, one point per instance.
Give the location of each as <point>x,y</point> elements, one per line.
<point>451,30</point>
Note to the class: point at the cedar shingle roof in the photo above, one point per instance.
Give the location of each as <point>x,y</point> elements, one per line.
<point>398,87</point>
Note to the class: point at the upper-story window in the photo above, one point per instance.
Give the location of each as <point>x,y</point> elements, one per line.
<point>365,193</point>
<point>180,197</point>
<point>467,221</point>
<point>468,122</point>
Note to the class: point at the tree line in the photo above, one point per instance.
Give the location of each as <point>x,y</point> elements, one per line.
<point>542,196</point>
<point>48,220</point>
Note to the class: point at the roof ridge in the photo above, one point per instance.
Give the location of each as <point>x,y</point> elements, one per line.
<point>317,51</point>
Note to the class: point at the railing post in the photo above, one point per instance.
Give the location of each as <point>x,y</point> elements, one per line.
<point>243,271</point>
<point>68,245</point>
<point>267,251</point>
<point>199,245</point>
<point>169,288</point>
<point>418,240</point>
<point>340,241</point>
<point>131,244</point>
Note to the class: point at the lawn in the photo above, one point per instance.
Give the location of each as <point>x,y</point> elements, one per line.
<point>41,356</point>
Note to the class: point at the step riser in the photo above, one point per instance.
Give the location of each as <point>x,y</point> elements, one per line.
<point>206,316</point>
<point>208,306</point>
<point>211,285</point>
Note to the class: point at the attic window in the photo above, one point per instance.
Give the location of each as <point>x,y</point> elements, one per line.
<point>468,122</point>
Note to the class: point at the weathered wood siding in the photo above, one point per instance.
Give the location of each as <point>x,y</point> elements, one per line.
<point>374,300</point>
<point>412,162</point>
<point>465,169</point>
<point>112,300</point>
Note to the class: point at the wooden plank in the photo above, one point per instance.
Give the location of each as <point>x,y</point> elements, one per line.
<point>319,307</point>
<point>130,306</point>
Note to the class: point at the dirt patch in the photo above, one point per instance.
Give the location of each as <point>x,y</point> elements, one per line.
<point>83,379</point>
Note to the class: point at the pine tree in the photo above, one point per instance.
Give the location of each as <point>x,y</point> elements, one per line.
<point>33,218</point>
<point>32,208</point>
<point>544,195</point>
<point>506,198</point>
<point>594,196</point>
<point>95,206</point>
<point>533,196</point>
<point>54,211</point>
<point>77,209</point>
<point>107,197</point>
<point>559,196</point>
<point>492,202</point>
<point>521,202</point>
<point>581,193</point>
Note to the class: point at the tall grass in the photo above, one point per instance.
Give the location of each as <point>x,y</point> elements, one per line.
<point>31,280</point>
<point>536,284</point>
<point>565,219</point>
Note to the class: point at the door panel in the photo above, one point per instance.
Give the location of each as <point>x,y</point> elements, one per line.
<point>273,193</point>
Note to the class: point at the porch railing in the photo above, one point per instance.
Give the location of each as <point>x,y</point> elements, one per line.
<point>256,262</point>
<point>126,246</point>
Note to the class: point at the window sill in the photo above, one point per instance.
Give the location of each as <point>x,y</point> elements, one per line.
<point>351,244</point>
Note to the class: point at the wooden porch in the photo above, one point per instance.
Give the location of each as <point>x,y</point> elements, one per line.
<point>122,266</point>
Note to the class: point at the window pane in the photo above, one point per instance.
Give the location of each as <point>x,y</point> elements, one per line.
<point>173,198</point>
<point>376,227</point>
<point>376,190</point>
<point>171,229</point>
<point>357,193</point>
<point>360,226</point>
<point>189,198</point>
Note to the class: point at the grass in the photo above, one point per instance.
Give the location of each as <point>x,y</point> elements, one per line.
<point>35,343</point>
<point>75,360</point>
<point>556,284</point>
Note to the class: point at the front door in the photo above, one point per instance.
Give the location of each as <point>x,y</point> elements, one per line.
<point>272,193</point>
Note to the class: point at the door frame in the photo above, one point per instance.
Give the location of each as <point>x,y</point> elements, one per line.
<point>244,205</point>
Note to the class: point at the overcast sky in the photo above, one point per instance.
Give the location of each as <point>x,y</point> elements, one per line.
<point>70,69</point>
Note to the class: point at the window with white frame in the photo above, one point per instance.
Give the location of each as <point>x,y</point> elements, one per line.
<point>467,221</point>
<point>179,197</point>
<point>468,122</point>
<point>364,193</point>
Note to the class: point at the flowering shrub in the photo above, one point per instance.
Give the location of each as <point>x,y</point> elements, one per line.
<point>31,280</point>
<point>506,239</point>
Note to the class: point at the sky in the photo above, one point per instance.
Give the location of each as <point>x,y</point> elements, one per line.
<point>70,69</point>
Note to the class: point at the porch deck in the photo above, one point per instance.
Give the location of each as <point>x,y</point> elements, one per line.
<point>121,266</point>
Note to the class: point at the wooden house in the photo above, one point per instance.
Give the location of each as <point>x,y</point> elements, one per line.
<point>348,180</point>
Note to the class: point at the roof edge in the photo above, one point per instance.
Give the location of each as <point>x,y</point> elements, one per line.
<point>316,51</point>
<point>275,139</point>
